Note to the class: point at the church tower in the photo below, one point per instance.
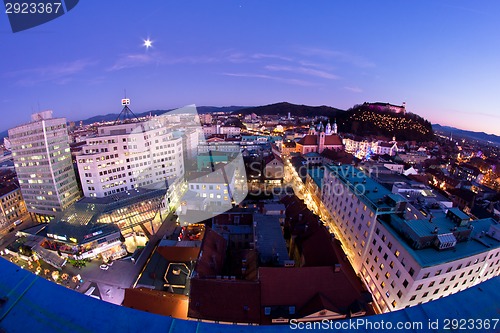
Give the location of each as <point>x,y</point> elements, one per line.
<point>334,129</point>
<point>312,130</point>
<point>328,130</point>
<point>321,139</point>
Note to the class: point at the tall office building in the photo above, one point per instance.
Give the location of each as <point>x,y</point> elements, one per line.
<point>43,164</point>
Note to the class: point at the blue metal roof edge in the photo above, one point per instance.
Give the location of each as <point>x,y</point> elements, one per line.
<point>35,304</point>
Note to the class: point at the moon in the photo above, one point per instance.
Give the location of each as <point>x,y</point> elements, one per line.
<point>148,43</point>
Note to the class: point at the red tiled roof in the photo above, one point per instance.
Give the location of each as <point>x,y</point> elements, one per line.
<point>312,140</point>
<point>212,255</point>
<point>308,140</point>
<point>246,218</point>
<point>338,156</point>
<point>216,138</point>
<point>317,248</point>
<point>297,286</point>
<point>178,253</point>
<point>271,158</point>
<point>156,301</point>
<point>225,300</point>
<point>318,303</point>
<point>333,140</point>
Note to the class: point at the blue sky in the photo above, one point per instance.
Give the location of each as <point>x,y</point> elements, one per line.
<point>440,57</point>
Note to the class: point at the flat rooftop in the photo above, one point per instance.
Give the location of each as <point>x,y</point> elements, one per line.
<point>317,175</point>
<point>270,242</point>
<point>431,256</point>
<point>370,191</point>
<point>81,218</point>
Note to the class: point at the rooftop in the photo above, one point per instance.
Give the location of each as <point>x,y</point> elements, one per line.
<point>81,219</point>
<point>312,154</point>
<point>431,256</point>
<point>8,188</point>
<point>298,286</point>
<point>270,242</point>
<point>317,175</point>
<point>370,191</point>
<point>158,302</point>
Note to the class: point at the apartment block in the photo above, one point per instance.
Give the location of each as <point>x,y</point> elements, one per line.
<point>407,255</point>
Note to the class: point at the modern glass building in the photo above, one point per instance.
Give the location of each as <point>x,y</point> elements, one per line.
<point>93,227</point>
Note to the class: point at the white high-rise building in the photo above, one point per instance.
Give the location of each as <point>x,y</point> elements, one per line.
<point>129,155</point>
<point>42,159</point>
<point>407,255</point>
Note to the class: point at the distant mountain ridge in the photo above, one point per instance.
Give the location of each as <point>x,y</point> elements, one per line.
<point>295,110</point>
<point>200,109</point>
<point>482,136</point>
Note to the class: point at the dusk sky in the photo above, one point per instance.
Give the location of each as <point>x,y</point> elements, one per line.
<point>440,57</point>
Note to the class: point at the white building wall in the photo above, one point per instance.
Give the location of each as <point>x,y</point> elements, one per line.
<point>126,156</point>
<point>393,276</point>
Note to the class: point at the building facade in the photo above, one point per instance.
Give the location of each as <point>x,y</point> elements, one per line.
<point>12,205</point>
<point>404,256</point>
<point>130,155</point>
<point>43,164</point>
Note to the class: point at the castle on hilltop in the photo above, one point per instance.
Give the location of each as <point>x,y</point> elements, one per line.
<point>378,106</point>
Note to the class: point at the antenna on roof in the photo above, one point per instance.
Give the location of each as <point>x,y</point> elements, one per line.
<point>126,112</point>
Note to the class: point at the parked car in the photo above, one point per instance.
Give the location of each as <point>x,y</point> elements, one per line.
<point>104,267</point>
